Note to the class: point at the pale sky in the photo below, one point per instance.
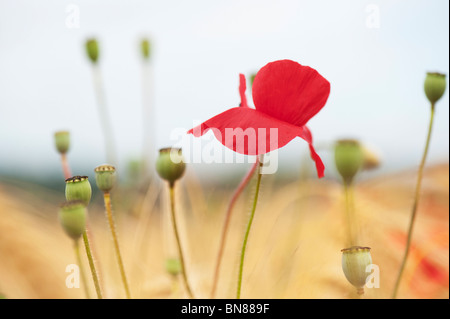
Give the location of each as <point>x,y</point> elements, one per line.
<point>375,54</point>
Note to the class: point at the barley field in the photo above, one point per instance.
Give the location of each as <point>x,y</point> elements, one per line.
<point>293,250</point>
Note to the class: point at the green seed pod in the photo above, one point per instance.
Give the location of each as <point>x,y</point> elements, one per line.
<point>72,216</point>
<point>170,164</point>
<point>434,86</point>
<point>78,188</point>
<point>173,266</point>
<point>349,159</point>
<point>92,50</point>
<point>371,159</point>
<point>145,48</point>
<point>62,141</point>
<point>355,261</point>
<point>105,177</point>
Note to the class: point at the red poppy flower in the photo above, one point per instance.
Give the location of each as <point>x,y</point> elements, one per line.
<point>286,96</point>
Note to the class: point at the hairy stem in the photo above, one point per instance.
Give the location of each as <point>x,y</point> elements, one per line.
<point>349,208</point>
<point>112,226</point>
<point>65,166</point>
<point>104,116</point>
<point>148,122</point>
<point>92,266</point>
<point>247,232</point>
<point>415,204</point>
<point>226,223</point>
<point>81,267</point>
<point>177,236</point>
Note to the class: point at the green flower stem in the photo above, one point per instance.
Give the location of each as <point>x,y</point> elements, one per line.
<point>236,195</point>
<point>244,244</point>
<point>349,208</point>
<point>92,266</point>
<point>175,230</point>
<point>81,267</point>
<point>112,226</point>
<point>415,204</point>
<point>104,116</point>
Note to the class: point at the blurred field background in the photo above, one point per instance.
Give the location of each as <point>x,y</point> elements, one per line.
<point>293,251</point>
<point>375,55</point>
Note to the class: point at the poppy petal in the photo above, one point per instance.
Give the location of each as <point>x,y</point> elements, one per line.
<point>247,131</point>
<point>307,136</point>
<point>289,91</point>
<point>242,88</point>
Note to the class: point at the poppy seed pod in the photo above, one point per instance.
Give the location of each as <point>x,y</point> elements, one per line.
<point>434,86</point>
<point>355,261</point>
<point>92,50</point>
<point>170,164</point>
<point>371,159</point>
<point>173,266</point>
<point>105,177</point>
<point>78,188</point>
<point>62,141</point>
<point>349,159</point>
<point>72,216</point>
<point>145,48</point>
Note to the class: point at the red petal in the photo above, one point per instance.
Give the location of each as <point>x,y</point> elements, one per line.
<point>242,88</point>
<point>307,136</point>
<point>247,131</point>
<point>242,129</point>
<point>289,91</point>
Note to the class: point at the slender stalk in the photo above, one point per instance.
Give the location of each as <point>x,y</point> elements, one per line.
<point>226,223</point>
<point>147,112</point>
<point>177,236</point>
<point>174,284</point>
<point>92,265</point>
<point>112,226</point>
<point>244,244</point>
<point>65,166</point>
<point>348,189</point>
<point>81,267</point>
<point>104,115</point>
<point>415,204</point>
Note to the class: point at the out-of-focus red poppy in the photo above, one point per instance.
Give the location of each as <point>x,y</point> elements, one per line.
<point>286,96</point>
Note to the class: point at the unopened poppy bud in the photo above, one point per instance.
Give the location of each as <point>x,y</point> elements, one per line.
<point>355,262</point>
<point>78,188</point>
<point>92,50</point>
<point>62,141</point>
<point>145,48</point>
<point>349,158</point>
<point>434,86</point>
<point>173,266</point>
<point>170,164</point>
<point>72,216</point>
<point>105,177</point>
